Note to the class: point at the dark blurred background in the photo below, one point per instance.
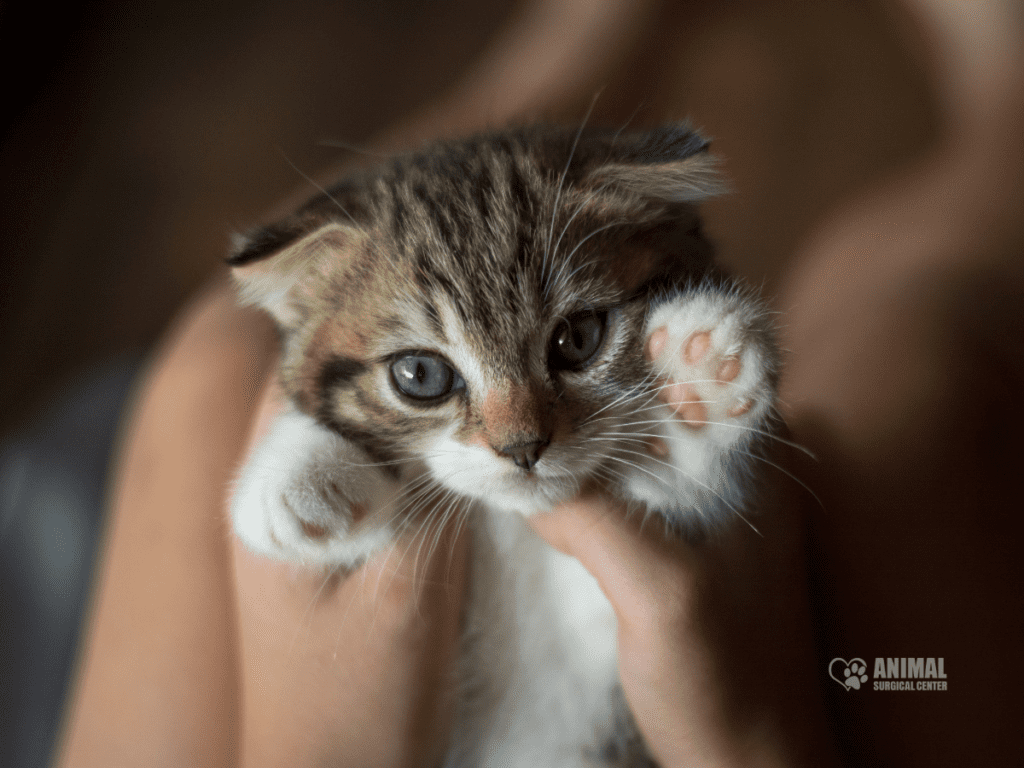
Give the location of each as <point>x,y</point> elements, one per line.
<point>139,136</point>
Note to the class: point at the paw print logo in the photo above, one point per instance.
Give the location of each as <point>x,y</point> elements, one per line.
<point>853,672</point>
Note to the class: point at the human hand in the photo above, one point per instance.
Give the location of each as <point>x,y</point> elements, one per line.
<point>716,658</point>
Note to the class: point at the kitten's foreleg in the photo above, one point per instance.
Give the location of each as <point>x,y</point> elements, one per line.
<point>714,363</point>
<point>308,495</point>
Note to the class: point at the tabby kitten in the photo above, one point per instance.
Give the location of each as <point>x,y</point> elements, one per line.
<point>482,327</point>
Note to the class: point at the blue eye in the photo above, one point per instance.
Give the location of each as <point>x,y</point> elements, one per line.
<point>424,377</point>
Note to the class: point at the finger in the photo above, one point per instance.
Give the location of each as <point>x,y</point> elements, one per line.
<point>643,573</point>
<point>649,574</point>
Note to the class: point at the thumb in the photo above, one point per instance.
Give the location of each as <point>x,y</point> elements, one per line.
<point>641,570</point>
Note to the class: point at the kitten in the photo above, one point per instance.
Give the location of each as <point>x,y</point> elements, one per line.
<point>495,322</point>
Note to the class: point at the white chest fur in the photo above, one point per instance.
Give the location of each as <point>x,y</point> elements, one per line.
<point>540,657</point>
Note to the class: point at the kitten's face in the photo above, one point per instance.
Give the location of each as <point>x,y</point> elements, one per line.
<point>479,306</point>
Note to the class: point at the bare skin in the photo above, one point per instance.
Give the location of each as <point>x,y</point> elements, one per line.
<point>245,661</point>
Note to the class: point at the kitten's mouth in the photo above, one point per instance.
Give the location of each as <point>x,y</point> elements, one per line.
<point>533,477</point>
<point>537,485</point>
<point>482,476</point>
<point>522,492</point>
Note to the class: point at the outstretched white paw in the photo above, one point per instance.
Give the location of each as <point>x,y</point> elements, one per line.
<point>307,495</point>
<point>712,362</point>
<point>712,370</point>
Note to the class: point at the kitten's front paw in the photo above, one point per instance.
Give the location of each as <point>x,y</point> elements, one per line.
<point>307,495</point>
<point>714,363</point>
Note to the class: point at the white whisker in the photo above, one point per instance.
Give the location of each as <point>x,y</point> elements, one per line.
<point>318,187</point>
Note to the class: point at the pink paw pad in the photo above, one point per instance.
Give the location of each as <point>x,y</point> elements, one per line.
<point>358,511</point>
<point>703,377</point>
<point>656,343</point>
<point>696,347</point>
<point>740,408</point>
<point>657,447</point>
<point>728,370</point>
<point>686,402</point>
<point>314,531</point>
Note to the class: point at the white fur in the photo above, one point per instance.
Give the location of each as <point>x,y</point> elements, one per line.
<point>541,637</point>
<point>302,471</point>
<point>541,653</point>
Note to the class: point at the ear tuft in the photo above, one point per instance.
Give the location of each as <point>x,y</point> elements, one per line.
<point>667,144</point>
<point>669,164</point>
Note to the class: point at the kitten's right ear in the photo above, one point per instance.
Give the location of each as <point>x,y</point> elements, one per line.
<point>281,267</point>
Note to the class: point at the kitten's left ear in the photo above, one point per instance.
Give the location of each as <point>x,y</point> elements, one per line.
<point>669,164</point>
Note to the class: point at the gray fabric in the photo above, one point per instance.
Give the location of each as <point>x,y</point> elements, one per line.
<point>52,483</point>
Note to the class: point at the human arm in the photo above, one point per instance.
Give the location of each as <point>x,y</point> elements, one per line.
<point>200,653</point>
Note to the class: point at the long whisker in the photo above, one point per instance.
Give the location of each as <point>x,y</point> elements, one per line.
<point>754,430</point>
<point>309,607</point>
<point>708,488</point>
<point>338,144</point>
<point>561,180</point>
<point>579,209</point>
<point>655,406</point>
<point>786,472</point>
<point>636,392</point>
<point>615,223</point>
<point>435,501</point>
<point>435,495</point>
<point>633,114</point>
<point>321,189</point>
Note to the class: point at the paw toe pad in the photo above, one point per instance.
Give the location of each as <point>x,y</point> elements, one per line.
<point>701,371</point>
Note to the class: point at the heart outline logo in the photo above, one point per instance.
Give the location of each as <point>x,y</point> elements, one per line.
<point>853,677</point>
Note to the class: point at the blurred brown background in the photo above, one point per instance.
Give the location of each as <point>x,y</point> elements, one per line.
<point>139,136</point>
<point>144,134</point>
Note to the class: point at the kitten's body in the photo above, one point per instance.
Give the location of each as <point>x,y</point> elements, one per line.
<point>479,329</point>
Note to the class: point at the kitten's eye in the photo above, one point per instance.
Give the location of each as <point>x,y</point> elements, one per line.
<point>424,377</point>
<point>577,339</point>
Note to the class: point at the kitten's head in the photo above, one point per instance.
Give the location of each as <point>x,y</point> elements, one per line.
<point>479,305</point>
